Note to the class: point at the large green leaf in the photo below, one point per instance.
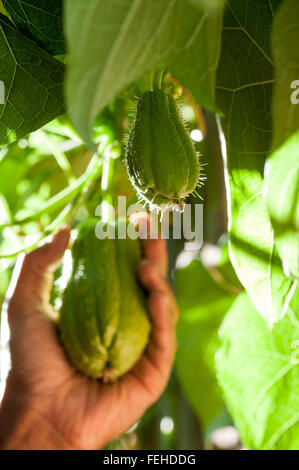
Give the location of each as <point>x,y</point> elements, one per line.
<point>285,39</point>
<point>244,93</point>
<point>282,188</point>
<point>40,20</point>
<point>203,303</point>
<point>282,176</point>
<point>33,84</point>
<point>259,373</point>
<point>2,9</point>
<point>209,4</point>
<point>113,43</point>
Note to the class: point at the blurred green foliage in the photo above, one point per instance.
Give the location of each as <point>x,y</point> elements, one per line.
<point>48,176</point>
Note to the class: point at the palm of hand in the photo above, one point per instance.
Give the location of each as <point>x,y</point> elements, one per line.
<point>85,413</point>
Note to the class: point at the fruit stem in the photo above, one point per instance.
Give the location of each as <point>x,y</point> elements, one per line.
<point>108,166</point>
<point>158,79</point>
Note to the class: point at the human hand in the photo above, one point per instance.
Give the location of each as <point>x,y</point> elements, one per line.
<point>49,405</point>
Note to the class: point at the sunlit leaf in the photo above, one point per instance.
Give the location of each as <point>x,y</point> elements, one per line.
<point>282,176</point>
<point>244,93</point>
<point>259,373</point>
<point>285,38</point>
<point>203,303</point>
<point>282,185</point>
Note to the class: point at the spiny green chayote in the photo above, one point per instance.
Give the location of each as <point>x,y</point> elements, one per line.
<point>161,160</point>
<point>103,321</point>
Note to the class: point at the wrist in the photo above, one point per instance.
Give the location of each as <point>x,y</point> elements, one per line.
<point>23,428</point>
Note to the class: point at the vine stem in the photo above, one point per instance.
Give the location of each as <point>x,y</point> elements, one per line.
<point>60,158</point>
<point>158,79</point>
<point>107,173</point>
<point>64,214</point>
<point>92,172</point>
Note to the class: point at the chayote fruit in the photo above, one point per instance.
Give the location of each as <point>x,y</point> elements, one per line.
<point>103,320</point>
<point>162,162</point>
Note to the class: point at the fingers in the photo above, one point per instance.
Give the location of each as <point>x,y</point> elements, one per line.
<point>147,380</point>
<point>156,252</point>
<point>150,375</point>
<point>48,256</point>
<point>154,248</point>
<point>31,288</point>
<point>162,346</point>
<point>152,280</point>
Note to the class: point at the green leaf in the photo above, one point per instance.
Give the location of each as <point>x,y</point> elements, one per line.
<point>33,84</point>
<point>285,38</point>
<point>225,273</point>
<point>282,176</point>
<point>209,4</point>
<point>40,20</point>
<point>244,93</point>
<point>282,188</point>
<point>114,43</point>
<point>259,373</point>
<point>203,303</point>
<point>2,9</point>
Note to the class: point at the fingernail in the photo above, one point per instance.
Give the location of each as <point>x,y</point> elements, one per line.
<point>64,226</point>
<point>144,262</point>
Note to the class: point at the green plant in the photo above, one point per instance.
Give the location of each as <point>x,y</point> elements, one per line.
<point>103,321</point>
<point>235,65</point>
<point>161,160</point>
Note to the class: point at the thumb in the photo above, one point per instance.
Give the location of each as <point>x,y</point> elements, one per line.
<point>32,279</point>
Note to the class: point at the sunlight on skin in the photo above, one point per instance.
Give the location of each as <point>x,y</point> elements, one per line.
<point>71,410</point>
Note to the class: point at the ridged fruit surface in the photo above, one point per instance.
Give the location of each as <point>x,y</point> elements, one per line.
<point>161,160</point>
<point>103,320</point>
